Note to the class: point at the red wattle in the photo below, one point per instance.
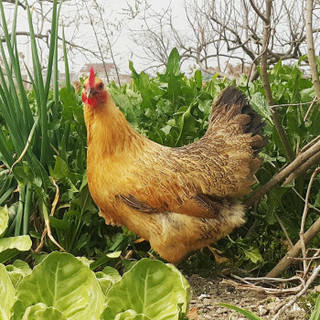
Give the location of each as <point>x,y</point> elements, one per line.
<point>84,98</point>
<point>92,102</point>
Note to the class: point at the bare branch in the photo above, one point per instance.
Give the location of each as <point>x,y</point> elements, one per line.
<point>258,11</point>
<point>214,29</point>
<point>13,2</point>
<point>304,167</point>
<point>279,178</point>
<point>287,260</point>
<point>311,279</point>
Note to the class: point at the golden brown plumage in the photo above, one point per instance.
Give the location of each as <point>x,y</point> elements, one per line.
<point>179,199</point>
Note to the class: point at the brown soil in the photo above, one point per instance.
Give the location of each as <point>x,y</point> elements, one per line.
<point>209,293</point>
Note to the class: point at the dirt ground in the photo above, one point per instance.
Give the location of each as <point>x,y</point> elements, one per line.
<point>208,293</point>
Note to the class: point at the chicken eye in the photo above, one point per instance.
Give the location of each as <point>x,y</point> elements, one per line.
<point>100,86</point>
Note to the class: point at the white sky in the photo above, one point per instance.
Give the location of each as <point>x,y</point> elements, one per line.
<point>124,48</point>
<point>124,45</point>
<point>86,38</point>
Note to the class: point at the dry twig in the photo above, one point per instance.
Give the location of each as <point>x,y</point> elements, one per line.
<point>292,104</point>
<point>300,293</point>
<point>251,284</point>
<point>303,221</point>
<point>309,109</point>
<point>24,151</point>
<point>47,229</point>
<point>264,284</point>
<point>284,230</point>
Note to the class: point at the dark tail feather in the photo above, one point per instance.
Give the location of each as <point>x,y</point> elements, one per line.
<point>233,102</point>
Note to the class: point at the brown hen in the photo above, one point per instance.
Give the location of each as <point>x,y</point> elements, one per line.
<point>179,199</point>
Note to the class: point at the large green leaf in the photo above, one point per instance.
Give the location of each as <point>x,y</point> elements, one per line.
<point>173,65</point>
<point>6,293</point>
<point>63,282</point>
<point>185,286</point>
<point>150,288</point>
<point>40,311</point>
<point>10,247</point>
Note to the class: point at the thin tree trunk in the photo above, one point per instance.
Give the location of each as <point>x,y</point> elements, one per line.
<point>109,44</point>
<point>266,83</point>
<point>310,45</point>
<point>98,43</point>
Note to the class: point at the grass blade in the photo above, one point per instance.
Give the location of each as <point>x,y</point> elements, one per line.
<point>14,63</point>
<point>246,313</point>
<point>66,64</point>
<point>53,45</point>
<point>316,312</point>
<point>27,210</point>
<point>4,151</point>
<point>41,95</point>
<point>19,215</point>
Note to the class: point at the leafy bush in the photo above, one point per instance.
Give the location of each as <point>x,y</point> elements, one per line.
<point>27,126</point>
<point>170,109</point>
<point>64,287</point>
<point>42,148</point>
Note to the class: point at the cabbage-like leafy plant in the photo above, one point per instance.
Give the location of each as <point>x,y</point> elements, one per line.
<point>61,283</point>
<point>152,289</point>
<point>64,287</point>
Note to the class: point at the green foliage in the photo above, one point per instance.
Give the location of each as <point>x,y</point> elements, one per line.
<point>11,246</point>
<point>4,219</point>
<point>45,126</point>
<point>294,91</point>
<point>170,109</point>
<point>63,287</point>
<point>40,311</point>
<point>26,123</point>
<point>43,129</point>
<point>17,271</point>
<point>173,110</point>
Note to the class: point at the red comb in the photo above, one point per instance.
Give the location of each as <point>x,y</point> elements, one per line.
<point>91,78</point>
